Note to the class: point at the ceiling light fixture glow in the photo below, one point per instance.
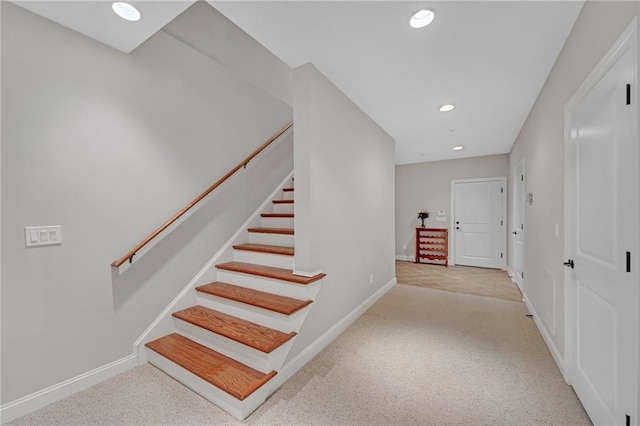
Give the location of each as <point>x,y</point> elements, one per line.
<point>126,11</point>
<point>447,108</point>
<point>458,148</point>
<point>422,18</point>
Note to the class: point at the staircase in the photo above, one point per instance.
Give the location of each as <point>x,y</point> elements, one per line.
<point>230,344</point>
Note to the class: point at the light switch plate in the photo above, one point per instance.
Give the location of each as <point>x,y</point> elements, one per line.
<point>42,235</point>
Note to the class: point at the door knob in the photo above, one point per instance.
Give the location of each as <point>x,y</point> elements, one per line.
<point>569,263</point>
<point>457,222</point>
<point>514,233</point>
<point>457,227</point>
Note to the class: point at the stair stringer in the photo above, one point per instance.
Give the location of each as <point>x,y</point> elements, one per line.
<point>163,324</point>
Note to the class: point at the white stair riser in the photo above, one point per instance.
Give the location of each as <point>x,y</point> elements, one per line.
<point>281,288</point>
<point>277,222</point>
<point>283,240</point>
<point>281,322</point>
<point>238,409</point>
<point>267,259</point>
<point>287,195</point>
<point>283,208</point>
<point>242,353</point>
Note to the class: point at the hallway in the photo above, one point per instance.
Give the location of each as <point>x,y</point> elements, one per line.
<point>418,356</point>
<point>459,279</point>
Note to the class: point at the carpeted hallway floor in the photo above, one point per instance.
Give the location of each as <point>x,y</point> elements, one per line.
<point>418,357</point>
<point>459,279</point>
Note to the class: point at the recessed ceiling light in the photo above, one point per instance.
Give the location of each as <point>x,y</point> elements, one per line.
<point>458,148</point>
<point>422,18</point>
<point>447,108</point>
<point>126,11</point>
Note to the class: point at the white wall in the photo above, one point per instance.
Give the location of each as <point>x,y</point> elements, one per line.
<point>0,201</point>
<point>541,142</point>
<point>344,208</point>
<point>209,32</point>
<point>428,186</point>
<point>109,146</point>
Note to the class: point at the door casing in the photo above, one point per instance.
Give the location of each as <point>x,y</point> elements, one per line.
<point>519,192</point>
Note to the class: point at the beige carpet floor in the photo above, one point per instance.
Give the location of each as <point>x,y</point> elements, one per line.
<point>417,357</point>
<point>459,279</point>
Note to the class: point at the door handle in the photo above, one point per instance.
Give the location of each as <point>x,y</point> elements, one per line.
<point>458,228</point>
<point>457,222</point>
<point>569,263</point>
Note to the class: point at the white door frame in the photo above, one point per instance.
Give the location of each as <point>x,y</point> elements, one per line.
<point>630,35</point>
<point>519,185</point>
<point>503,237</point>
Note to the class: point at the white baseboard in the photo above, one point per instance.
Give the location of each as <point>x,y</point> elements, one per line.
<point>27,404</point>
<point>546,337</point>
<point>292,367</point>
<point>515,279</point>
<point>510,273</point>
<point>407,258</point>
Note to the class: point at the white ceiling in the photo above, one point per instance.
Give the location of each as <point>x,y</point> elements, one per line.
<point>490,58</point>
<point>95,19</point>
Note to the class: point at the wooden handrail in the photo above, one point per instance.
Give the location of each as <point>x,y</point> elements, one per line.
<point>243,163</point>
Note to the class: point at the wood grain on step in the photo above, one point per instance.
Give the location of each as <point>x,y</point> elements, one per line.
<point>225,373</point>
<point>282,201</point>
<point>283,231</point>
<point>281,215</point>
<point>272,302</point>
<point>264,248</point>
<point>262,338</point>
<point>269,272</point>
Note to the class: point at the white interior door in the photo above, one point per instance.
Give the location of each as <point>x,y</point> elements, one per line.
<point>479,223</point>
<point>518,225</point>
<point>602,224</point>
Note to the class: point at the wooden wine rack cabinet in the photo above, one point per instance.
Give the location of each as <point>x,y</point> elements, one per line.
<point>432,246</point>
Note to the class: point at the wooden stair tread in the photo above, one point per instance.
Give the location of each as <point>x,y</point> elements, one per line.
<point>287,189</point>
<point>283,231</point>
<point>264,248</point>
<point>259,337</point>
<point>227,374</point>
<point>280,304</point>
<point>284,215</point>
<point>282,201</point>
<point>268,272</point>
